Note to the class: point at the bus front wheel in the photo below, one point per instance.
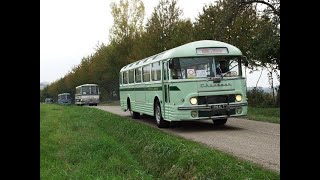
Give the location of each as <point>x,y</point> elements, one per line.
<point>161,123</point>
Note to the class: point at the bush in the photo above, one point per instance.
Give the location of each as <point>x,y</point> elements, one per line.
<point>258,98</point>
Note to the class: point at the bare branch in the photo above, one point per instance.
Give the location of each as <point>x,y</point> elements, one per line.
<point>274,9</point>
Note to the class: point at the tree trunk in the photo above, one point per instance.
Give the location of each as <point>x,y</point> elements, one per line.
<point>278,97</point>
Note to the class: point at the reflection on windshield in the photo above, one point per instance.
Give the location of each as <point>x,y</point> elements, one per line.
<point>202,67</point>
<point>226,66</point>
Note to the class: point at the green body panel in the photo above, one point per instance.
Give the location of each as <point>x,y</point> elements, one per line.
<point>142,98</point>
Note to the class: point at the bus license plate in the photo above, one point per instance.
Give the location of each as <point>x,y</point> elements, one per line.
<point>220,106</point>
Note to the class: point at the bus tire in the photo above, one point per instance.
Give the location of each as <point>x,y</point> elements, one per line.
<point>219,122</point>
<point>134,115</point>
<point>161,123</point>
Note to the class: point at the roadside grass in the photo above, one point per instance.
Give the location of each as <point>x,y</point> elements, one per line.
<point>264,114</point>
<point>88,143</point>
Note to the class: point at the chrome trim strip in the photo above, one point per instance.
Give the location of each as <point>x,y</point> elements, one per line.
<point>217,90</point>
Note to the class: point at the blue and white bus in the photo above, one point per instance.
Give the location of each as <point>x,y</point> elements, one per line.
<point>64,98</point>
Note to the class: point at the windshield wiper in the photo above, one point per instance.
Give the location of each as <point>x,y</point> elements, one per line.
<point>223,74</point>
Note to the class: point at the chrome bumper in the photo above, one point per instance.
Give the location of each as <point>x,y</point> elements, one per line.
<point>209,107</point>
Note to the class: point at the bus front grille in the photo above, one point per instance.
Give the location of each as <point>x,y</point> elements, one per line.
<point>216,99</point>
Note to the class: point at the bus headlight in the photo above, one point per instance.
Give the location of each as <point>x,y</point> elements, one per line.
<point>238,97</point>
<point>193,101</point>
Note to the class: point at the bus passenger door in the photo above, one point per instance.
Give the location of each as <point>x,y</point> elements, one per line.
<point>165,89</point>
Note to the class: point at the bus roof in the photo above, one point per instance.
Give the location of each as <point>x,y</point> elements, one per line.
<point>186,50</point>
<point>87,85</point>
<point>63,94</point>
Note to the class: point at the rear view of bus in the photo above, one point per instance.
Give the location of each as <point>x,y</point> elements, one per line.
<point>87,94</point>
<point>199,80</point>
<point>64,98</point>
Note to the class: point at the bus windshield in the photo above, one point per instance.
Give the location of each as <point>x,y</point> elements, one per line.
<point>90,90</point>
<point>94,90</point>
<point>203,67</point>
<point>86,90</point>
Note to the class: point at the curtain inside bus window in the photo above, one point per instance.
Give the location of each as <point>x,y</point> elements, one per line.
<point>131,76</point>
<point>138,75</point>
<point>156,71</point>
<point>146,73</point>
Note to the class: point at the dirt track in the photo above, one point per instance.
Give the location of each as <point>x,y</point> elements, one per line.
<point>255,141</point>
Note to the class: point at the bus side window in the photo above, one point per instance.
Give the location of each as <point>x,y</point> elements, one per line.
<point>146,73</point>
<point>125,77</point>
<point>138,75</point>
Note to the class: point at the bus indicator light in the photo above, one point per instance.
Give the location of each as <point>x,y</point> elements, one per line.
<point>194,114</point>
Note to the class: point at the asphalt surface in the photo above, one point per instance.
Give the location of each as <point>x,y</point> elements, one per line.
<point>258,142</point>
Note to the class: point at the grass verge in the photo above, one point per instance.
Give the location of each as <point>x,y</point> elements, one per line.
<point>264,114</point>
<point>87,143</point>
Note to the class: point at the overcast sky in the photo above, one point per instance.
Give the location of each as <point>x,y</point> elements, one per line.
<point>71,29</point>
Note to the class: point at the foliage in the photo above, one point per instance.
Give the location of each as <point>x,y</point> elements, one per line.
<point>128,19</point>
<point>258,98</point>
<point>163,28</point>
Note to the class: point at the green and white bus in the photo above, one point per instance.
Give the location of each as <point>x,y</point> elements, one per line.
<point>196,81</point>
<point>87,94</point>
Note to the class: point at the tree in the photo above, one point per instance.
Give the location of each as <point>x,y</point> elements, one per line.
<point>161,27</point>
<point>273,6</point>
<point>128,19</point>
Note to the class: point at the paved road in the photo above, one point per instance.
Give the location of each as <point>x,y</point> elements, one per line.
<point>255,141</point>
